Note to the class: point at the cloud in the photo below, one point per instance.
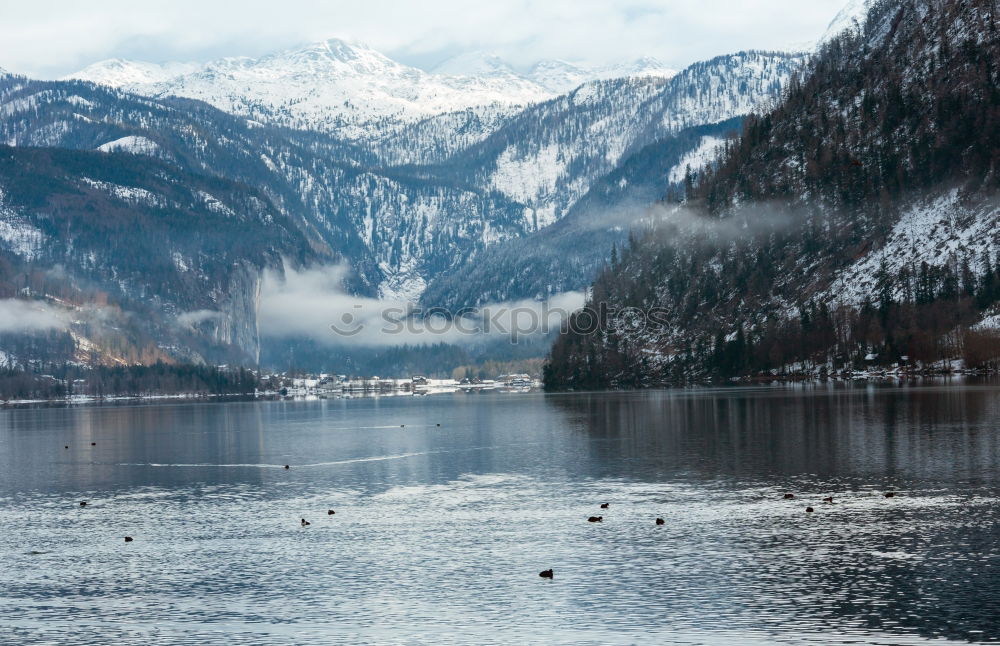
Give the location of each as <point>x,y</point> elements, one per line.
<point>50,38</point>
<point>313,304</point>
<point>18,315</point>
<point>192,319</point>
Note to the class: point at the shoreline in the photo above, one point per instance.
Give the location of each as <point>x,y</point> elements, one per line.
<point>758,380</point>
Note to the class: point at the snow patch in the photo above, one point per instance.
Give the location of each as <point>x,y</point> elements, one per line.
<point>18,235</point>
<point>936,231</point>
<point>129,194</point>
<point>707,151</point>
<point>131,144</point>
<point>530,179</point>
<point>215,205</point>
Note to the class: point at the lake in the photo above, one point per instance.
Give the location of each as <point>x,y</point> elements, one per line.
<point>440,531</point>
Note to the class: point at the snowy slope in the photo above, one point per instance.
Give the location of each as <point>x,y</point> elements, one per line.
<point>708,149</point>
<point>938,231</point>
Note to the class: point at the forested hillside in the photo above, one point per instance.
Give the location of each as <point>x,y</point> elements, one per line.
<point>117,258</point>
<point>855,223</point>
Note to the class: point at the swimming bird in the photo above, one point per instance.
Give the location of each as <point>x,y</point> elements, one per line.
<point>83,503</point>
<point>595,519</point>
<point>439,425</point>
<point>660,521</point>
<point>890,494</point>
<point>545,574</point>
<point>828,500</point>
<point>789,496</point>
<point>402,426</point>
<point>809,510</point>
<point>605,505</point>
<point>128,539</point>
<point>93,444</point>
<point>287,467</point>
<point>66,447</point>
<point>305,523</point>
<point>330,512</point>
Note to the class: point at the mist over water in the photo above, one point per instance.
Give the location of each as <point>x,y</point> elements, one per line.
<point>440,532</point>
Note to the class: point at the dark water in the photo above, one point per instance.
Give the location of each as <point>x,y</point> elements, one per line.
<point>440,532</point>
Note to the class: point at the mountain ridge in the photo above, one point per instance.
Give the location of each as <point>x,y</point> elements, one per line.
<point>349,88</point>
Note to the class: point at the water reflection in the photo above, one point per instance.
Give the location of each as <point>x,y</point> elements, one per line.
<point>440,531</point>
<point>870,434</point>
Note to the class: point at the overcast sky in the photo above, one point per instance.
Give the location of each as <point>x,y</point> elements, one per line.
<point>49,38</point>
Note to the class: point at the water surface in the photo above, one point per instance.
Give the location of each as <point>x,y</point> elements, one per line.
<point>440,531</point>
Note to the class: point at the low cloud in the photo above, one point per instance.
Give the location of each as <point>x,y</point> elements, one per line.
<point>19,315</point>
<point>197,317</point>
<point>739,222</point>
<point>313,304</point>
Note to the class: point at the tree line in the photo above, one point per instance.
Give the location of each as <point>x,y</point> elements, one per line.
<point>58,381</point>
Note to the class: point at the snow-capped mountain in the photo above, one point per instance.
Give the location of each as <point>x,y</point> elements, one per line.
<point>344,88</point>
<point>352,90</point>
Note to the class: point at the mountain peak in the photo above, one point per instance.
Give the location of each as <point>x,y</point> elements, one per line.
<point>331,48</point>
<point>476,63</point>
<point>119,72</point>
<point>559,76</point>
<point>852,16</point>
<point>645,66</point>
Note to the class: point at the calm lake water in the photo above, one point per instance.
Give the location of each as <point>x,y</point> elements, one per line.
<point>440,531</point>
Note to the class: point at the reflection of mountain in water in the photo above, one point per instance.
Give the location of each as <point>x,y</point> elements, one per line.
<point>859,433</point>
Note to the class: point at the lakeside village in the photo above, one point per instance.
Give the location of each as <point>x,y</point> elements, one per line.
<point>77,384</point>
<point>326,385</point>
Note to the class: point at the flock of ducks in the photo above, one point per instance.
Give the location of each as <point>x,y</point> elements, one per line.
<point>829,499</point>
<point>545,574</point>
<point>549,574</point>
